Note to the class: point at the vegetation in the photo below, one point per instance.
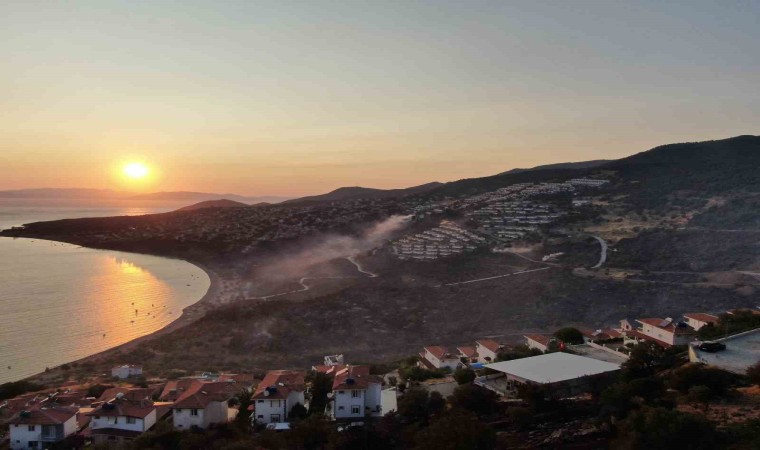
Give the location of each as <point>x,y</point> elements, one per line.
<point>569,335</point>
<point>16,388</point>
<point>729,324</point>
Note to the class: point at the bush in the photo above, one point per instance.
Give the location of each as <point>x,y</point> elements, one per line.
<point>464,376</point>
<point>753,373</point>
<point>569,335</point>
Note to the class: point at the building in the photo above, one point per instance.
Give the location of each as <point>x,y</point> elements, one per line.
<point>356,394</point>
<point>276,395</point>
<point>564,374</point>
<point>698,320</point>
<point>487,350</point>
<point>124,416</point>
<point>205,404</point>
<point>537,341</point>
<point>41,426</point>
<point>437,357</point>
<point>468,353</point>
<point>126,371</point>
<point>334,360</point>
<point>666,331</point>
<point>742,350</point>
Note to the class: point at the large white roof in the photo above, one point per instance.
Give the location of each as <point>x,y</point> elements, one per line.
<point>553,367</point>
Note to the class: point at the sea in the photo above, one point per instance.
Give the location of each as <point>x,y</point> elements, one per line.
<point>61,302</point>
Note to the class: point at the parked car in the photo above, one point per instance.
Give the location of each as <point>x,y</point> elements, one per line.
<point>712,347</point>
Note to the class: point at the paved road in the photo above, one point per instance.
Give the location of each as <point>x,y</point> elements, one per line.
<point>603,255</point>
<point>497,276</point>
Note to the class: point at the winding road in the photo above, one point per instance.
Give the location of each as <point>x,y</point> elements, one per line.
<point>603,255</point>
<point>353,261</point>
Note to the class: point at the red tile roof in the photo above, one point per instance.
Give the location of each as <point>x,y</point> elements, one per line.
<point>329,370</point>
<point>199,395</point>
<point>540,338</point>
<point>125,402</point>
<point>175,388</point>
<point>643,337</point>
<point>671,327</point>
<point>702,317</point>
<point>279,383</point>
<point>353,378</point>
<point>43,416</point>
<point>440,352</point>
<point>490,344</point>
<point>468,352</point>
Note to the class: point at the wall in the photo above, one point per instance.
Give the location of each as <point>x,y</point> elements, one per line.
<point>184,420</point>
<point>266,407</point>
<point>345,400</point>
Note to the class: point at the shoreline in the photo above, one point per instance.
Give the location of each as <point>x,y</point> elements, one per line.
<point>188,315</point>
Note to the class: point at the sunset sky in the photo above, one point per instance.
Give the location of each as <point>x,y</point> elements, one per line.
<point>299,97</point>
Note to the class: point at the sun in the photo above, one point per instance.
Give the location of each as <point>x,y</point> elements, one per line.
<point>136,170</point>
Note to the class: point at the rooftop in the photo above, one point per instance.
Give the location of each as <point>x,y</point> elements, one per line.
<point>742,350</point>
<point>553,367</point>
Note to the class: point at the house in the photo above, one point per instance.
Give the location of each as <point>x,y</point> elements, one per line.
<point>599,335</point>
<point>334,360</point>
<point>125,416</point>
<point>487,350</point>
<point>666,331</point>
<point>563,374</point>
<point>437,357</point>
<point>627,325</point>
<point>204,404</point>
<point>537,341</point>
<point>356,394</point>
<point>698,320</point>
<point>469,353</point>
<point>40,426</point>
<point>277,393</point>
<point>126,371</point>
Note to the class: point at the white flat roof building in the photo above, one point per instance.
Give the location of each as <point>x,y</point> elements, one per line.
<point>553,367</point>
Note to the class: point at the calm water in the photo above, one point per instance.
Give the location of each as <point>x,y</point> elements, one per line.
<point>61,302</point>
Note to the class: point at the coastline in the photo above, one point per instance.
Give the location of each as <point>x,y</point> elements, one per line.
<point>188,315</point>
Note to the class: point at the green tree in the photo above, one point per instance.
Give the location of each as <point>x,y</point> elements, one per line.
<point>297,412</point>
<point>413,405</point>
<point>321,385</point>
<point>476,399</point>
<point>243,417</point>
<point>464,376</point>
<point>701,395</point>
<point>569,335</point>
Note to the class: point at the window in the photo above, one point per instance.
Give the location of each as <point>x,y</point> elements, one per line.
<point>341,392</point>
<point>131,420</point>
<point>261,401</point>
<point>193,412</point>
<point>260,416</point>
<point>30,427</point>
<point>274,403</point>
<point>356,394</point>
<point>111,420</point>
<point>355,410</point>
<point>341,408</point>
<point>179,410</point>
<point>275,418</point>
<point>32,444</point>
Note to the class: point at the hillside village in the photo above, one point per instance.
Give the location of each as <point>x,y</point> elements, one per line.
<point>117,409</point>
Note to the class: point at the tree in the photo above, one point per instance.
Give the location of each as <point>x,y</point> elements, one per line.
<point>456,430</point>
<point>413,405</point>
<point>243,418</point>
<point>688,376</point>
<point>569,335</point>
<point>321,385</point>
<point>96,390</point>
<point>311,433</point>
<point>646,357</point>
<point>475,399</point>
<point>753,373</point>
<point>436,403</point>
<point>464,376</point>
<point>297,412</point>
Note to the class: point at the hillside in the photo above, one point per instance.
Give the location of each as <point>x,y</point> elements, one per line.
<point>223,203</point>
<point>568,165</point>
<point>203,196</point>
<point>356,192</point>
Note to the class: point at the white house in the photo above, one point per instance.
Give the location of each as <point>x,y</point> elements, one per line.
<point>126,371</point>
<point>205,403</point>
<point>487,350</point>
<point>666,331</point>
<point>438,357</point>
<point>468,353</point>
<point>356,394</point>
<point>698,320</point>
<point>537,341</point>
<point>123,417</point>
<point>41,426</point>
<point>277,393</point>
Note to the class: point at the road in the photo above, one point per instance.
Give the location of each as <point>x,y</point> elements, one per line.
<point>359,267</point>
<point>493,278</point>
<point>603,255</point>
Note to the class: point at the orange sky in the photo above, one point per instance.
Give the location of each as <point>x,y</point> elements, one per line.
<point>270,98</point>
